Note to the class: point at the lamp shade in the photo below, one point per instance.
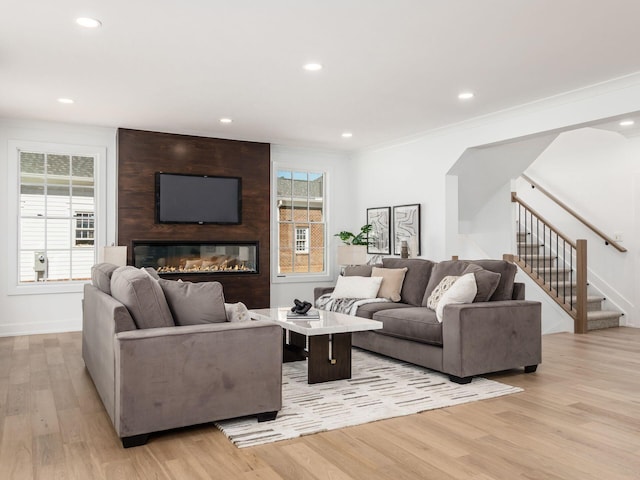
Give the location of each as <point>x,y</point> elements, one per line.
<point>116,255</point>
<point>352,254</point>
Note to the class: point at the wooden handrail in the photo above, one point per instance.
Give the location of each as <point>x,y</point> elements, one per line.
<point>516,198</point>
<point>608,240</point>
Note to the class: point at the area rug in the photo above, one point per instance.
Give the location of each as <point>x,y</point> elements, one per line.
<point>379,388</point>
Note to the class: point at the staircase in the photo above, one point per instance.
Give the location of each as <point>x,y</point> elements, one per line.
<point>559,279</point>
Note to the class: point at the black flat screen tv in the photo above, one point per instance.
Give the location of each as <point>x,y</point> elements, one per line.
<point>201,199</point>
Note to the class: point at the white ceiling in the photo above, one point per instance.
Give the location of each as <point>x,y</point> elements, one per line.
<point>392,68</point>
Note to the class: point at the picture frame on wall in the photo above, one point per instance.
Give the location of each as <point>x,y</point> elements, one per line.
<point>406,226</point>
<point>380,235</point>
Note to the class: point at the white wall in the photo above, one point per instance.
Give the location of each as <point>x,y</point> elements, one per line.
<point>415,170</point>
<point>597,174</point>
<point>412,170</point>
<point>42,313</point>
<point>340,215</point>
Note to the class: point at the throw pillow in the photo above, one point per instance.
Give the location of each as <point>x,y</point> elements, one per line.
<point>392,280</point>
<point>357,287</point>
<point>237,312</point>
<point>195,303</point>
<point>437,293</point>
<point>486,281</point>
<point>101,276</point>
<point>441,270</point>
<point>151,272</point>
<point>462,291</point>
<point>142,296</point>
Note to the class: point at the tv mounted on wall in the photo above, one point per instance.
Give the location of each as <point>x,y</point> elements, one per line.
<point>182,198</point>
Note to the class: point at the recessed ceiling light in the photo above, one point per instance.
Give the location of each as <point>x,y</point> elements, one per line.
<point>65,100</point>
<point>88,22</point>
<point>626,123</point>
<point>225,120</point>
<point>347,135</point>
<point>465,95</point>
<point>312,67</point>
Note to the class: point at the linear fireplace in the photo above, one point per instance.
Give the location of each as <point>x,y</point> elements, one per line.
<point>187,257</point>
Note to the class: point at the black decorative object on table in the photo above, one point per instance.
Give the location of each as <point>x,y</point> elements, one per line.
<point>301,308</point>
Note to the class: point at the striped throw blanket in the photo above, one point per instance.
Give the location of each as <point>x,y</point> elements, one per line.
<point>344,305</point>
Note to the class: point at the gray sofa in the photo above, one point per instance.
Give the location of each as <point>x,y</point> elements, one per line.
<point>500,333</point>
<point>154,375</point>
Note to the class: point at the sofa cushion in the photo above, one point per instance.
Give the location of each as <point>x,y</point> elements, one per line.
<point>358,271</point>
<point>445,284</point>
<point>369,309</point>
<point>486,282</point>
<point>357,287</point>
<point>142,296</point>
<point>101,276</point>
<point>392,280</point>
<point>462,291</point>
<point>507,271</point>
<point>440,270</point>
<point>194,303</point>
<point>415,280</point>
<point>418,324</point>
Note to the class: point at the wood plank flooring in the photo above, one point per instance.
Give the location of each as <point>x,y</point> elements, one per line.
<point>578,418</point>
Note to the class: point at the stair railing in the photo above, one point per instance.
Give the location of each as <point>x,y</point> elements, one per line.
<point>607,240</point>
<point>540,256</point>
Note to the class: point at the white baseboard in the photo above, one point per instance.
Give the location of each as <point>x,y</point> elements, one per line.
<point>37,328</point>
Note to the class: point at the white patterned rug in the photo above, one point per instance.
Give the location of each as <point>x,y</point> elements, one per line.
<point>379,388</point>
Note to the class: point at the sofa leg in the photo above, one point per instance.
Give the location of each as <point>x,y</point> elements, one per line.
<point>135,440</point>
<point>530,368</point>
<point>460,380</point>
<point>267,416</point>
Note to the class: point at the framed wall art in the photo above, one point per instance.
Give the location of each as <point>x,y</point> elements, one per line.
<point>380,234</point>
<point>406,227</point>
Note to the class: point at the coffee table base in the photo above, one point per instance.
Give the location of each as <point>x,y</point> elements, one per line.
<point>328,356</point>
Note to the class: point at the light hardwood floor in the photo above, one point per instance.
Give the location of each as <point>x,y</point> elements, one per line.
<point>578,418</point>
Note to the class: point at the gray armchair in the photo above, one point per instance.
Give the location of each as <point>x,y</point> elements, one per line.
<point>156,379</point>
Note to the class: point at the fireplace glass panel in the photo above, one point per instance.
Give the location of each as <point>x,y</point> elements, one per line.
<point>197,257</point>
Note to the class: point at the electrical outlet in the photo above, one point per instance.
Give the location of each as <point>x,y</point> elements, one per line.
<point>617,236</point>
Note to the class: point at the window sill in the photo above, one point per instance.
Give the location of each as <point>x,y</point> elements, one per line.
<point>301,278</point>
<point>48,288</point>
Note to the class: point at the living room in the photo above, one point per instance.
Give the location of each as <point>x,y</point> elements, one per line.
<point>406,165</point>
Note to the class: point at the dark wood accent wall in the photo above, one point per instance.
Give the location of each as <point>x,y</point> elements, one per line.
<point>141,154</point>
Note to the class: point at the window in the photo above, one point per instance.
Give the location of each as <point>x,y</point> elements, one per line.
<point>56,216</point>
<point>84,228</point>
<point>301,240</point>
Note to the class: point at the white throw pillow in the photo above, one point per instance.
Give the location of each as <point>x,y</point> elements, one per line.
<point>357,287</point>
<point>462,291</point>
<point>237,312</point>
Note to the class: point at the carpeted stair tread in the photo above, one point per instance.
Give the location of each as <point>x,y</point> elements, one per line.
<point>551,273</point>
<point>603,319</point>
<point>535,260</point>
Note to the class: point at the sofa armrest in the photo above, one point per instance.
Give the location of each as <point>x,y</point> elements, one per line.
<point>319,291</point>
<point>178,376</point>
<point>102,318</point>
<point>488,337</point>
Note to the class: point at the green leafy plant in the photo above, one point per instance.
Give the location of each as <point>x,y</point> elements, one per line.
<point>361,238</point>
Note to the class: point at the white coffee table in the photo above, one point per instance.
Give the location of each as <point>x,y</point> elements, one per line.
<point>324,342</point>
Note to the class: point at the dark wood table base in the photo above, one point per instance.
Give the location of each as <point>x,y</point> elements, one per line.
<point>328,356</point>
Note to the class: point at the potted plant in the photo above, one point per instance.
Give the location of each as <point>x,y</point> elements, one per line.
<point>354,250</point>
